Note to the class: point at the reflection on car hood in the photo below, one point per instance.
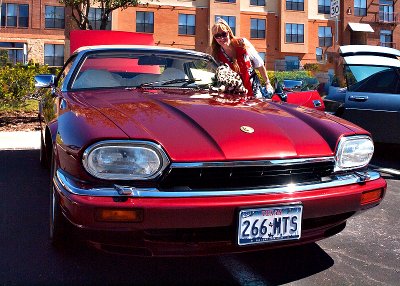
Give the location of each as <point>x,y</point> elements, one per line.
<point>193,127</point>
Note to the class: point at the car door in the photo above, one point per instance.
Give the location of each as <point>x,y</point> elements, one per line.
<point>374,104</point>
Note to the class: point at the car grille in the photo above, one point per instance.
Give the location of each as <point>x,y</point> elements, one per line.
<point>245,176</point>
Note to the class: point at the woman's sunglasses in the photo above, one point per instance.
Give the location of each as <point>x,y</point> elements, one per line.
<point>221,35</point>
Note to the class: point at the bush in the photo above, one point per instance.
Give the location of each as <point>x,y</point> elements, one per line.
<point>279,76</point>
<point>313,67</point>
<point>17,82</point>
<point>3,58</point>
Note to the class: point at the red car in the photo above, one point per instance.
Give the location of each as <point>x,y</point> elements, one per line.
<point>299,93</point>
<point>147,160</point>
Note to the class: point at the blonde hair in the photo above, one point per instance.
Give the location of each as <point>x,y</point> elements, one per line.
<point>222,25</point>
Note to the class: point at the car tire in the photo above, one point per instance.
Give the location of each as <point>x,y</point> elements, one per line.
<point>44,161</point>
<point>58,224</point>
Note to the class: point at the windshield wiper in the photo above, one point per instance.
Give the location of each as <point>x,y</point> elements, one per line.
<point>185,82</point>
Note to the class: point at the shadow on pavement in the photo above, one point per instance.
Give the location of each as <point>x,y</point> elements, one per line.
<point>387,156</point>
<point>282,266</point>
<point>28,258</point>
<point>389,151</point>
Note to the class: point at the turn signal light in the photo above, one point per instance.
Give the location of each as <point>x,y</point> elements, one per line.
<point>119,215</point>
<point>371,196</point>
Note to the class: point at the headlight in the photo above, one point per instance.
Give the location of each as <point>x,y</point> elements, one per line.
<point>125,160</point>
<point>354,152</point>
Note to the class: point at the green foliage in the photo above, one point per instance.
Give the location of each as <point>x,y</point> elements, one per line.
<point>297,75</point>
<point>17,82</point>
<point>279,76</point>
<point>28,105</point>
<point>313,67</point>
<point>80,10</point>
<point>3,58</point>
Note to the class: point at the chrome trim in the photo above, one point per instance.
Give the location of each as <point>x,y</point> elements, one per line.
<point>374,110</point>
<point>63,104</point>
<point>64,182</point>
<point>127,143</point>
<point>264,163</point>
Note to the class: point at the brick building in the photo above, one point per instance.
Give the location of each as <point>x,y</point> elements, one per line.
<point>33,30</point>
<point>288,34</point>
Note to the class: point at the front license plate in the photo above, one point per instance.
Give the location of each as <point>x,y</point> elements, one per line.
<point>263,225</point>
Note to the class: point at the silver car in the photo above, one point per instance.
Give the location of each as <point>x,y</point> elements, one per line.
<point>372,97</point>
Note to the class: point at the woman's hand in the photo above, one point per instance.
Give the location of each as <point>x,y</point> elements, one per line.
<point>269,87</point>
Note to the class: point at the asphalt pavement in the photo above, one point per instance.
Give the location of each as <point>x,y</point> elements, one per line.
<point>20,140</point>
<point>366,252</point>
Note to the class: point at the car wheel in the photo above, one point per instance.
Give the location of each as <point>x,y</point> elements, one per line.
<point>44,162</point>
<point>58,224</point>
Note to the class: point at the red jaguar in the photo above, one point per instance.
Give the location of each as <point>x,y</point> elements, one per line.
<point>147,159</point>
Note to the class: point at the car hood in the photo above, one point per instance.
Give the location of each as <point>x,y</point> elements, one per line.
<point>196,127</point>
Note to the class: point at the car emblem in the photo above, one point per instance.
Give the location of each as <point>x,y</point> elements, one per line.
<point>247,129</point>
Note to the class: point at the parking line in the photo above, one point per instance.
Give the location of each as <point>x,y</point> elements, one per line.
<point>386,170</point>
<point>243,274</point>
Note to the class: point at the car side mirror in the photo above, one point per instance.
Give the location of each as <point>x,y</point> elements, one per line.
<point>45,80</point>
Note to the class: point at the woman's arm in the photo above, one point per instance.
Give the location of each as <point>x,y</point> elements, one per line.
<point>258,63</point>
<point>264,75</point>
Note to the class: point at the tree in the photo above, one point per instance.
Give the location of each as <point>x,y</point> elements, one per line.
<point>80,10</point>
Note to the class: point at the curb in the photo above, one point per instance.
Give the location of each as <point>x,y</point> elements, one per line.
<point>20,140</point>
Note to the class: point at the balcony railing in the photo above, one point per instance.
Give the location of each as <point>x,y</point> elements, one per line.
<point>388,44</point>
<point>388,17</point>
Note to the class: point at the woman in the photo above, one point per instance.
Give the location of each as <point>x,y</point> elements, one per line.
<point>240,55</point>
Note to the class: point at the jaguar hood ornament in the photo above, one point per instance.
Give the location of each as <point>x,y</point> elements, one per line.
<point>247,129</point>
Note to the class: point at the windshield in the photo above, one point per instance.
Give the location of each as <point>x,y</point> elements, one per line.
<point>130,69</point>
<point>375,79</point>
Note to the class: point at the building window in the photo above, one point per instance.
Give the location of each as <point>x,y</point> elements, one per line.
<point>360,7</point>
<point>295,5</point>
<point>324,6</point>
<point>231,20</point>
<point>257,2</point>
<point>386,11</point>
<point>262,55</point>
<point>95,19</point>
<point>54,17</point>
<point>257,29</point>
<point>325,36</point>
<point>15,52</point>
<point>53,55</point>
<point>187,24</point>
<point>294,33</point>
<point>386,38</point>
<point>226,1</point>
<point>15,15</point>
<point>145,22</point>
<point>23,16</point>
<point>319,53</point>
<point>292,63</point>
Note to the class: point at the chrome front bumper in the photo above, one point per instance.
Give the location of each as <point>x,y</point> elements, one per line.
<point>66,182</point>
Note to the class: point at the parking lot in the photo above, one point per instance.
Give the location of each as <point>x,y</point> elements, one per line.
<point>367,252</point>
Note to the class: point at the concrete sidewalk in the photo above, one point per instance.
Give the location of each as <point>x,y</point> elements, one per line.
<point>19,140</point>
